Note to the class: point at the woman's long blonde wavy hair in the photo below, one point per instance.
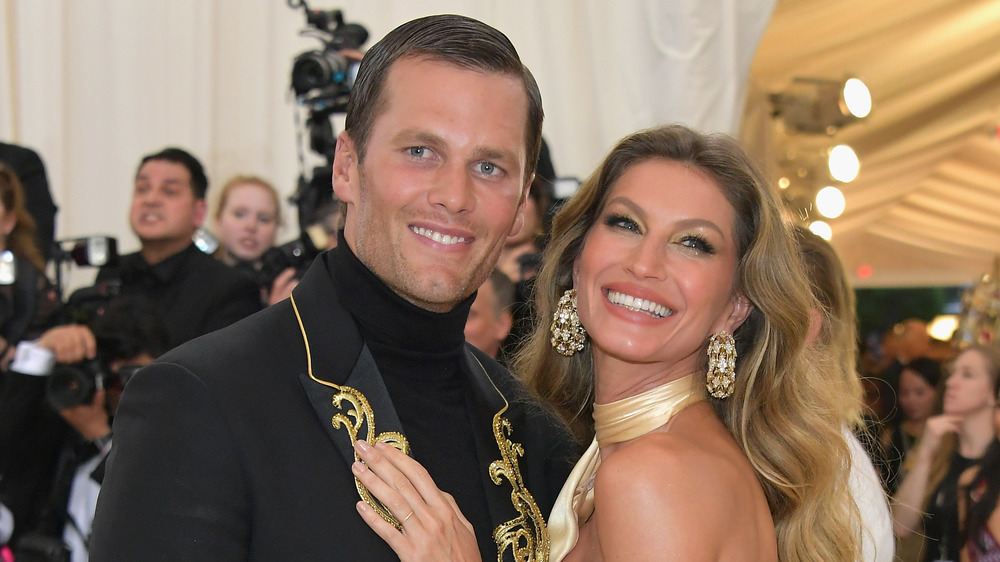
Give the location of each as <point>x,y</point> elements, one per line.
<point>785,412</point>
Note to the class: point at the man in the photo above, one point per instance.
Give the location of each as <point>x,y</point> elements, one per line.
<point>195,293</point>
<point>239,446</point>
<point>490,317</point>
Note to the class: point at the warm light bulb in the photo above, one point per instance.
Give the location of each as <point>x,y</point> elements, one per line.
<point>858,98</point>
<point>943,326</point>
<point>821,229</point>
<point>843,163</point>
<point>830,202</point>
<point>783,183</point>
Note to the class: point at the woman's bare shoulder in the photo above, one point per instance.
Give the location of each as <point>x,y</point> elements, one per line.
<point>697,496</point>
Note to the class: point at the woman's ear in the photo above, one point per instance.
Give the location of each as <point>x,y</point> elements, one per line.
<point>740,312</point>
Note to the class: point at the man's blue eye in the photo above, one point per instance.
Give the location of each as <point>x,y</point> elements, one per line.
<point>417,151</point>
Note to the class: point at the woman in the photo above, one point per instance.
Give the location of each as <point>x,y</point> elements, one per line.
<point>246,224</point>
<point>673,244</point>
<point>979,518</point>
<point>27,300</point>
<point>952,442</point>
<point>917,397</point>
<point>30,431</point>
<point>834,327</point>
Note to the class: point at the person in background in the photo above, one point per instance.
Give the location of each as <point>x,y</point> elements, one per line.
<point>247,219</point>
<point>195,293</point>
<point>927,499</point>
<point>490,317</point>
<point>979,518</point>
<point>30,432</point>
<point>30,170</point>
<point>833,327</point>
<point>917,396</point>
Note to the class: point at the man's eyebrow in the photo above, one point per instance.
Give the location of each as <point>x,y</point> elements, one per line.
<point>490,153</point>
<point>419,137</point>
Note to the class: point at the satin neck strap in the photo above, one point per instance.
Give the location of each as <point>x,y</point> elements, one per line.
<point>637,415</point>
<point>614,422</point>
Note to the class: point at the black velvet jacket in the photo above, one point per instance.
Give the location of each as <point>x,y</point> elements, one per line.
<point>229,449</point>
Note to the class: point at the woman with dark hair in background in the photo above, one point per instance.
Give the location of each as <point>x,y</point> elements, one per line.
<point>917,398</point>
<point>927,499</point>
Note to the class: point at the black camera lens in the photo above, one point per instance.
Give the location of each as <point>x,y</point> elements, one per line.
<point>71,385</point>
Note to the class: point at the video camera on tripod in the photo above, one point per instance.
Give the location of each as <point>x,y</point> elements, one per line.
<point>322,81</point>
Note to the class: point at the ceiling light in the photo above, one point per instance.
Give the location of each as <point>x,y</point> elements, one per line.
<point>843,163</point>
<point>820,105</point>
<point>830,202</point>
<point>821,229</point>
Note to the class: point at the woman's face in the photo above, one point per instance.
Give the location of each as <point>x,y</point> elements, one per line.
<point>247,225</point>
<point>656,274</point>
<point>969,387</point>
<point>916,396</point>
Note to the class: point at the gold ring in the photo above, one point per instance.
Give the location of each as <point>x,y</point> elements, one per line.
<point>408,515</point>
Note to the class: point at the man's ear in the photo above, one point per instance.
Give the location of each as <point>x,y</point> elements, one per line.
<point>504,324</point>
<point>200,210</point>
<point>345,170</point>
<point>515,228</point>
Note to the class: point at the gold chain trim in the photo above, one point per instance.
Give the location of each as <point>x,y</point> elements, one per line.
<point>358,416</point>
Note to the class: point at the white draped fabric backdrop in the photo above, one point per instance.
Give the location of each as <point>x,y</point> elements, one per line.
<point>95,84</point>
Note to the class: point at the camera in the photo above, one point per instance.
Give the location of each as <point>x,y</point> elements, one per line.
<point>322,79</point>
<point>298,254</point>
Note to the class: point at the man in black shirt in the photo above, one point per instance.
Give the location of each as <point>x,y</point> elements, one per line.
<point>239,446</point>
<point>195,293</point>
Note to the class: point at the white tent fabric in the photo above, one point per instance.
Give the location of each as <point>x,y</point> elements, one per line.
<point>925,210</point>
<point>94,85</point>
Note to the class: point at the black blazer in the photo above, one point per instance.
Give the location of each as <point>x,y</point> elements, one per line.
<point>224,449</point>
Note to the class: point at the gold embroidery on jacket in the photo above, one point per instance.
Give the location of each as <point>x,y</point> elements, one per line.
<point>359,415</point>
<point>526,535</point>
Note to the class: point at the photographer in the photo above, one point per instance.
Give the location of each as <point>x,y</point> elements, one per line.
<point>30,432</point>
<point>129,334</point>
<point>194,292</point>
<point>246,224</point>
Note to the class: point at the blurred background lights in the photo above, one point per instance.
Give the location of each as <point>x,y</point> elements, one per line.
<point>843,163</point>
<point>821,229</point>
<point>943,326</point>
<point>830,202</point>
<point>857,98</point>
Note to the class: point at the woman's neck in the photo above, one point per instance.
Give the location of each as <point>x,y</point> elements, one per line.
<point>914,427</point>
<point>976,433</point>
<point>615,379</point>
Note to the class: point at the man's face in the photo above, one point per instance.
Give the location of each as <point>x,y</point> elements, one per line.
<point>164,208</point>
<point>442,183</point>
<point>486,328</point>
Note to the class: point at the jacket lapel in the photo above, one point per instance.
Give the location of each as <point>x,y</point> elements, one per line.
<point>345,388</point>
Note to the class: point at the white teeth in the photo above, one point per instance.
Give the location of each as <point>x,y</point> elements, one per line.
<point>437,236</point>
<point>639,305</point>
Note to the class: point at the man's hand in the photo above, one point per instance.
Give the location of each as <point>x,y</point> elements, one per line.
<point>71,343</point>
<point>89,420</point>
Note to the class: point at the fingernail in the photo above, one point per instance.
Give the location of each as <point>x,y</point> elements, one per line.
<point>358,467</point>
<point>362,445</point>
<point>362,507</point>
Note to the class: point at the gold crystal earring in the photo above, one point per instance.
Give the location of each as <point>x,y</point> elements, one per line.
<point>568,335</point>
<point>721,365</point>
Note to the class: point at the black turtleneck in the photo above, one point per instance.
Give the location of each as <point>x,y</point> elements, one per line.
<point>421,357</point>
